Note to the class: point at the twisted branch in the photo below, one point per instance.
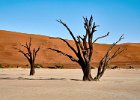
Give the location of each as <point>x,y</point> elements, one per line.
<point>60,52</point>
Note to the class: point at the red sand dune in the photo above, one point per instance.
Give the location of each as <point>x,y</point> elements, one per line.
<point>9,56</point>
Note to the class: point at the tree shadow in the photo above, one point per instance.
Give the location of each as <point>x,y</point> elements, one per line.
<point>75,79</point>
<point>6,78</point>
<point>23,78</point>
<point>3,74</point>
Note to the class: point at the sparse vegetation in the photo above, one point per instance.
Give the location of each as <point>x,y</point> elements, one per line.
<point>59,66</point>
<point>1,66</point>
<point>38,66</point>
<point>131,67</point>
<point>114,67</point>
<point>10,66</point>
<point>93,67</point>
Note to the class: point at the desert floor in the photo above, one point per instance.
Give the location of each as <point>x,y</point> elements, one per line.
<point>66,84</point>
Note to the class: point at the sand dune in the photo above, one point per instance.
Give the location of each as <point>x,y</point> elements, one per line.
<point>10,57</point>
<point>66,84</point>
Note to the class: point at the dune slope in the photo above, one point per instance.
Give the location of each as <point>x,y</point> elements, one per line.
<point>9,56</point>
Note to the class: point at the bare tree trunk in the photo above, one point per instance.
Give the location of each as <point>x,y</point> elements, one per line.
<point>87,73</point>
<point>86,68</point>
<point>32,69</point>
<point>99,74</point>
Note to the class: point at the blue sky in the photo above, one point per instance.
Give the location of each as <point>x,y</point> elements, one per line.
<point>39,17</point>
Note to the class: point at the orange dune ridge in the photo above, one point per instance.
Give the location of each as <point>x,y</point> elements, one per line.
<point>9,57</point>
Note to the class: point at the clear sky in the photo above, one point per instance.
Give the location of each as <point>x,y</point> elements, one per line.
<point>39,17</point>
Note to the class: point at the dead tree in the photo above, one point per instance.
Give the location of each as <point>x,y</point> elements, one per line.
<point>103,64</point>
<point>30,54</point>
<point>84,47</point>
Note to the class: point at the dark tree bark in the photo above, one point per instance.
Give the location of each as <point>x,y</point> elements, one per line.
<point>84,47</point>
<point>103,64</point>
<point>30,54</point>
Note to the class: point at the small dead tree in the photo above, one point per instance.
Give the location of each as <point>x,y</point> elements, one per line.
<point>103,64</point>
<point>84,47</point>
<point>30,54</point>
